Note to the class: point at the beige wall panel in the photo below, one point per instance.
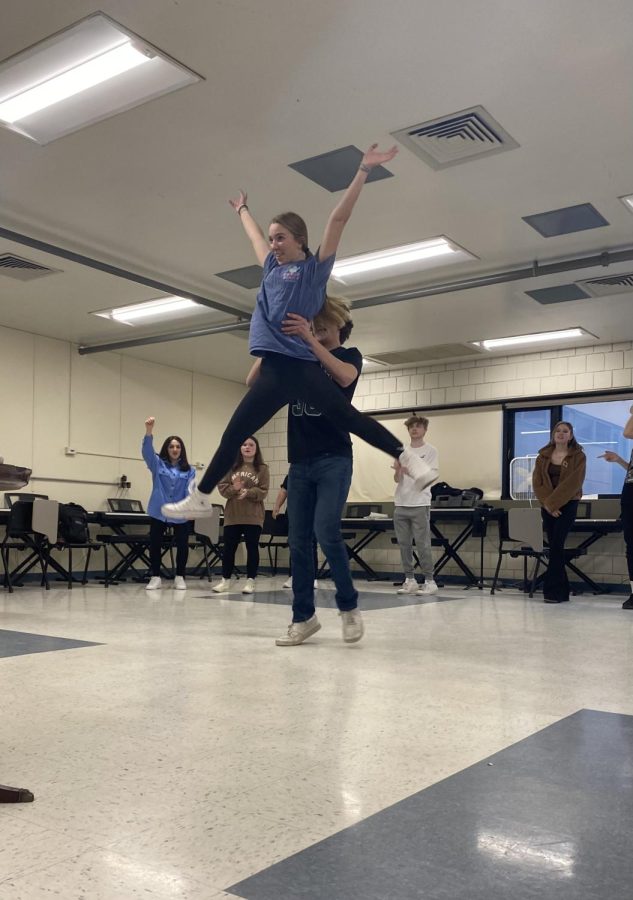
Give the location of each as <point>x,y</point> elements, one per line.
<point>373,475</point>
<point>469,446</point>
<point>51,397</point>
<point>16,376</point>
<point>148,389</point>
<point>95,392</point>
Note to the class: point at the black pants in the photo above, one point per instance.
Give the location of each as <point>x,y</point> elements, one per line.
<point>232,535</point>
<point>181,536</point>
<point>626,514</point>
<point>555,583</point>
<point>283,379</point>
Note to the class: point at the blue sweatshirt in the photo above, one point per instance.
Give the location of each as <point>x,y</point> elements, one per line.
<point>169,484</point>
<point>297,287</point>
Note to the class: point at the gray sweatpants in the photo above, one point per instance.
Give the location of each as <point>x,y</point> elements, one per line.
<point>413,523</point>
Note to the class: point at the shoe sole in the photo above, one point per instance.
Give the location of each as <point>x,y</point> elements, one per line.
<point>354,640</point>
<point>305,637</point>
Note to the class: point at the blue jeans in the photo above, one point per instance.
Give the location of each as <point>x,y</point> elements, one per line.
<point>317,492</point>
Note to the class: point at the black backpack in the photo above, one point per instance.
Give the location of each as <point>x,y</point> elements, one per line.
<point>73,523</point>
<point>443,495</point>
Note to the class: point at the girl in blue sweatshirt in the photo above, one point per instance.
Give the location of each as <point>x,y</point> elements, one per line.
<point>171,477</point>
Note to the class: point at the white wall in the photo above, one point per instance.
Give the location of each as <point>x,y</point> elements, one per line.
<point>53,398</point>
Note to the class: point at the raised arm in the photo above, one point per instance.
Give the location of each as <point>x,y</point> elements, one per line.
<point>343,209</point>
<point>250,226</point>
<point>147,447</point>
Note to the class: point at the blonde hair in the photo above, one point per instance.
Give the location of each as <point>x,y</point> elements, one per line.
<point>337,310</point>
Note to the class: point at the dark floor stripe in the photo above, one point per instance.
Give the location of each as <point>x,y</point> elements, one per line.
<point>549,818</point>
<point>20,643</point>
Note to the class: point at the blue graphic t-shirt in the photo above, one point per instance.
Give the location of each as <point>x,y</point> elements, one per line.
<point>297,287</point>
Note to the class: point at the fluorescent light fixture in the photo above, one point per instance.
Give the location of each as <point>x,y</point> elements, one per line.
<point>406,258</point>
<point>628,202</point>
<point>74,81</point>
<point>164,306</point>
<point>541,337</point>
<point>78,76</point>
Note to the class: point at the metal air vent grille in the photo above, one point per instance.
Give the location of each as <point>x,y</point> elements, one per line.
<point>608,285</point>
<point>456,138</point>
<point>22,269</point>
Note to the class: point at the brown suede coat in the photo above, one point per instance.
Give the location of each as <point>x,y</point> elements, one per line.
<point>572,476</point>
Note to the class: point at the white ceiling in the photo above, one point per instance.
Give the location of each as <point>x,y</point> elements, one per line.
<point>147,190</point>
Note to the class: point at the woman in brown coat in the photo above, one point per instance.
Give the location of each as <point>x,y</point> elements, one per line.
<point>558,477</point>
<point>245,488</point>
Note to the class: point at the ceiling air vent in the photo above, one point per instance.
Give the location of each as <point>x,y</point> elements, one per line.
<point>457,138</point>
<point>421,355</point>
<point>608,285</point>
<point>22,269</point>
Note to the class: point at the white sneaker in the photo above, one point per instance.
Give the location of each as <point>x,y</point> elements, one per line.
<point>154,584</point>
<point>410,586</point>
<point>316,583</point>
<point>353,628</point>
<point>179,583</point>
<point>417,469</point>
<point>222,587</point>
<point>288,583</point>
<point>429,587</point>
<point>194,506</point>
<point>298,632</point>
<point>249,587</point>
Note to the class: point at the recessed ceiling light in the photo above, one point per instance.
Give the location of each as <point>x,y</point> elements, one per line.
<point>164,306</point>
<point>628,202</point>
<point>538,338</point>
<point>406,258</point>
<point>85,73</point>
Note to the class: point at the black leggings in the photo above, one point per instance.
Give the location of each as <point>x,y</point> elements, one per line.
<point>232,535</point>
<point>281,380</point>
<point>626,514</point>
<point>181,537</point>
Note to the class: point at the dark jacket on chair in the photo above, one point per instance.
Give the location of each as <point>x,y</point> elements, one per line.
<point>572,476</point>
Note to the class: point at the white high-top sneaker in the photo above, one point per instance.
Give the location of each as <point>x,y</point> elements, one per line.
<point>154,584</point>
<point>410,586</point>
<point>222,587</point>
<point>249,587</point>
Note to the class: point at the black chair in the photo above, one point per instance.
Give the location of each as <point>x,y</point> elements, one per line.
<point>208,539</point>
<point>274,537</point>
<point>20,537</point>
<point>11,498</point>
<point>521,537</point>
<point>46,522</point>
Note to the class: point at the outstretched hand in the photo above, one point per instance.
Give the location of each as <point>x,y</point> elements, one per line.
<point>609,455</point>
<point>374,157</point>
<point>240,201</point>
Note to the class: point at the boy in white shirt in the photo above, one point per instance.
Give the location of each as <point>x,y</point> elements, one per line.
<point>412,512</point>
